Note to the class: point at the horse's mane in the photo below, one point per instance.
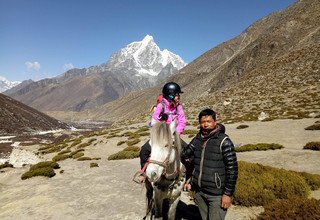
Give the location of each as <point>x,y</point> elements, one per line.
<point>161,135</point>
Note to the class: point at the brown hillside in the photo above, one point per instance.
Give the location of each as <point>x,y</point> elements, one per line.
<point>16,118</point>
<point>273,66</point>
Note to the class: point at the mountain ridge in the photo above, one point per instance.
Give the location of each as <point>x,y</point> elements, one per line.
<point>139,65</point>
<point>6,84</point>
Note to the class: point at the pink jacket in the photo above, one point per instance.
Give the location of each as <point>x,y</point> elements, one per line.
<point>172,115</point>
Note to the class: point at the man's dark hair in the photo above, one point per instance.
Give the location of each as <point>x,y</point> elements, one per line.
<point>207,112</point>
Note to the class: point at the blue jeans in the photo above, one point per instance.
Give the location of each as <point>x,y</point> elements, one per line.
<point>210,206</point>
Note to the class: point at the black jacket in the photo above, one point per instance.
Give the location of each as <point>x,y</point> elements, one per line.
<point>215,163</point>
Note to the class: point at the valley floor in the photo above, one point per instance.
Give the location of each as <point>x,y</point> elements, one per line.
<point>108,192</point>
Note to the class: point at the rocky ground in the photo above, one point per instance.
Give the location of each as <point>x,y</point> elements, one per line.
<point>108,192</point>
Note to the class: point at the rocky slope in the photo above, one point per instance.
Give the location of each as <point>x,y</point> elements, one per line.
<point>17,118</point>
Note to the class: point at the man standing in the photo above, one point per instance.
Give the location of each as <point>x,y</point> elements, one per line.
<point>215,167</point>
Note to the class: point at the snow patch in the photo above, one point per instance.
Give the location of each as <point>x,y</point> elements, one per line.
<point>47,132</point>
<point>19,157</point>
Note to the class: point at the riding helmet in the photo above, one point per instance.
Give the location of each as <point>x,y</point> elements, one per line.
<point>170,90</point>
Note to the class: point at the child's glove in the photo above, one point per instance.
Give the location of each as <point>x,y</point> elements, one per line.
<point>163,117</point>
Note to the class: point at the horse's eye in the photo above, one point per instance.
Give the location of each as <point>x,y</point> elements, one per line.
<point>166,145</point>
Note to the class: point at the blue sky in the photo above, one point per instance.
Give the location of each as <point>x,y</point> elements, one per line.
<point>43,38</point>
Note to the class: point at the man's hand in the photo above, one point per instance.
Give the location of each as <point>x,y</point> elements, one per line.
<point>225,201</point>
<point>187,187</point>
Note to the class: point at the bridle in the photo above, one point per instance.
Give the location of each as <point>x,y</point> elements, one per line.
<point>165,164</point>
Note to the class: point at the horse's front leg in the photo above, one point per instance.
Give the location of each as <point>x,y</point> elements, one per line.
<point>172,208</point>
<point>149,195</point>
<point>158,202</point>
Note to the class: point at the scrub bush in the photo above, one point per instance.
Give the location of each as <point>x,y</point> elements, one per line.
<point>132,148</point>
<point>259,147</point>
<point>84,158</point>
<point>242,126</point>
<point>60,157</point>
<point>64,152</point>
<point>93,165</point>
<point>6,164</point>
<point>75,152</point>
<point>133,142</point>
<point>83,145</point>
<point>51,164</point>
<point>313,180</point>
<point>295,208</point>
<point>76,142</point>
<point>312,146</point>
<point>313,127</point>
<point>190,131</point>
<point>120,143</point>
<point>259,185</point>
<point>41,169</point>
<point>44,171</point>
<point>124,155</point>
<point>77,155</point>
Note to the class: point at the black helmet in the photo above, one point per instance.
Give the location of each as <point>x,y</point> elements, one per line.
<point>170,90</point>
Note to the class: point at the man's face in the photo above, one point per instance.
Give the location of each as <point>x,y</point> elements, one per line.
<point>207,122</point>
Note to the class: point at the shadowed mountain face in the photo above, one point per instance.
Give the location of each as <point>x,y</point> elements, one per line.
<point>16,118</point>
<point>137,66</point>
<point>273,66</point>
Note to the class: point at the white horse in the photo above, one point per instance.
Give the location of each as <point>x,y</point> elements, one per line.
<point>165,173</point>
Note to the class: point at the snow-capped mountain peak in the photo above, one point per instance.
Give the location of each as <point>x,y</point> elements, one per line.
<point>5,84</point>
<point>145,57</point>
<point>147,39</point>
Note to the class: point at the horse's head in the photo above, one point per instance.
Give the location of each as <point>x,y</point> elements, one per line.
<point>164,147</point>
